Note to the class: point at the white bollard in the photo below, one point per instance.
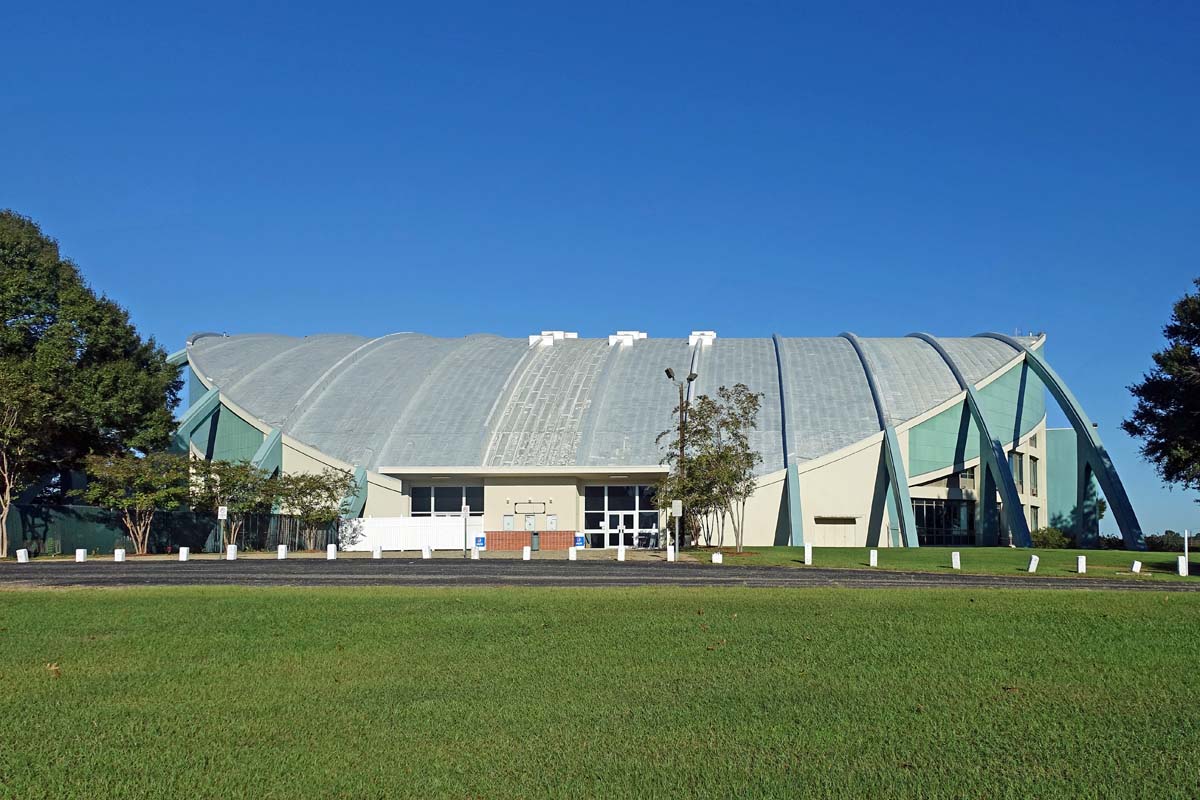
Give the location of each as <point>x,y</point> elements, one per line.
<point>474,553</point>
<point>955,560</point>
<point>426,551</point>
<point>621,553</point>
<point>670,552</point>
<point>281,552</point>
<point>718,558</point>
<point>808,554</point>
<point>331,552</point>
<point>184,552</point>
<point>231,552</point>
<point>80,555</point>
<point>22,556</point>
<point>874,558</point>
<point>1081,564</point>
<point>1182,566</point>
<point>119,554</point>
<point>1033,562</point>
<point>572,553</point>
<point>1136,568</point>
<point>526,553</point>
<point>377,551</point>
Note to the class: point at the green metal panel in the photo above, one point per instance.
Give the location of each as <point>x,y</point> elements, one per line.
<point>795,515</point>
<point>44,529</point>
<point>951,437</point>
<point>196,415</point>
<point>1062,470</point>
<point>235,439</point>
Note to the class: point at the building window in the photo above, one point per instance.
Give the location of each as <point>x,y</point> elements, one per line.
<point>944,523</point>
<point>1034,521</point>
<point>608,509</point>
<point>1033,476</point>
<point>446,501</point>
<point>1016,462</point>
<point>1033,440</point>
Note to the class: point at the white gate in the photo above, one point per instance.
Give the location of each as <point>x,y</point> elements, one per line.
<point>413,533</point>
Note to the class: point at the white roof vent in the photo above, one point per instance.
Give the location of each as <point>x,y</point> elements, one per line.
<point>548,338</point>
<point>702,338</point>
<point>625,338</point>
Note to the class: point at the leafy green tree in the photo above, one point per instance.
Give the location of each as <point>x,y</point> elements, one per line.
<point>240,486</point>
<point>316,499</point>
<point>138,488</point>
<point>718,462</point>
<point>75,376</point>
<point>1167,414</point>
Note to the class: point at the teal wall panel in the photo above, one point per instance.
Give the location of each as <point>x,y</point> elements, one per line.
<point>1011,410</point>
<point>1062,463</point>
<point>236,439</point>
<point>196,389</point>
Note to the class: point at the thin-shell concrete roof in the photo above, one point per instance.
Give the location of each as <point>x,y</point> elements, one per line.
<point>411,400</point>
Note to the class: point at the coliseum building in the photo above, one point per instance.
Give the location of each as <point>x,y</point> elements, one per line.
<point>885,442</point>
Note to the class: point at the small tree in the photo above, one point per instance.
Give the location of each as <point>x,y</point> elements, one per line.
<point>738,417</point>
<point>316,499</point>
<point>137,487</point>
<point>240,486</point>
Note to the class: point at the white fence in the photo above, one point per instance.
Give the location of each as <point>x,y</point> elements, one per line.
<point>413,533</point>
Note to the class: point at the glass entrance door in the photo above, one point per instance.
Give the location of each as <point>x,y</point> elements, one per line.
<point>615,522</point>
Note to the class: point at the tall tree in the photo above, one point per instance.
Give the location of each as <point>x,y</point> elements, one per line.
<point>1167,415</point>
<point>75,376</point>
<point>316,499</point>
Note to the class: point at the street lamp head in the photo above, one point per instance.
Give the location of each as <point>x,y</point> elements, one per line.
<point>670,373</point>
<point>691,377</point>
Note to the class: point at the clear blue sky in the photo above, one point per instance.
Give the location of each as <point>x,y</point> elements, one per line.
<point>753,168</point>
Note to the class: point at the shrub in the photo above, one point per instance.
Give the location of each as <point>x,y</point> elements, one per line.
<point>1051,538</point>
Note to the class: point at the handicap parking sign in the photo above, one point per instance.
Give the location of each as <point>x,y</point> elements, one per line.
<point>479,541</point>
<point>579,541</point>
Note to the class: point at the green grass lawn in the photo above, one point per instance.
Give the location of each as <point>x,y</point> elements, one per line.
<point>976,560</point>
<point>288,693</point>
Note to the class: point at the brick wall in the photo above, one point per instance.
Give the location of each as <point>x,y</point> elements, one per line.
<point>515,540</point>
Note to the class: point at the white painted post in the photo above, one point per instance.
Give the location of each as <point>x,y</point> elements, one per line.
<point>670,552</point>
<point>377,551</point>
<point>808,554</point>
<point>331,552</point>
<point>1033,563</point>
<point>621,553</point>
<point>426,551</point>
<point>281,552</point>
<point>955,560</point>
<point>718,558</point>
<point>572,553</point>
<point>231,552</point>
<point>184,552</point>
<point>874,558</point>
<point>526,553</point>
<point>1081,564</point>
<point>1136,568</point>
<point>80,555</point>
<point>474,553</point>
<point>1182,566</point>
<point>22,556</point>
<point>119,554</point>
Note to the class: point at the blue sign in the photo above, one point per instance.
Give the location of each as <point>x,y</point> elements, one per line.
<point>579,541</point>
<point>479,542</point>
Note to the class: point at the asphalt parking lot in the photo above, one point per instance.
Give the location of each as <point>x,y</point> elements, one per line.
<point>450,572</point>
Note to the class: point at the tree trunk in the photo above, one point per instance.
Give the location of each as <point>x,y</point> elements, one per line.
<point>5,502</point>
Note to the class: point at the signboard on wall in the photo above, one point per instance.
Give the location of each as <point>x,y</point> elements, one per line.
<point>529,508</point>
<point>552,522</point>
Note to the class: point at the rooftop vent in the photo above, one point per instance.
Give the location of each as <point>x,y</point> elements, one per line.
<point>625,338</point>
<point>702,338</point>
<point>548,338</point>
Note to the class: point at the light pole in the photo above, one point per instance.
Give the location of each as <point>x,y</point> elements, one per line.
<point>682,432</point>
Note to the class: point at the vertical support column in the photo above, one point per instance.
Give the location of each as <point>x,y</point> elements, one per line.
<point>792,484</point>
<point>1092,450</point>
<point>992,459</point>
<point>893,457</point>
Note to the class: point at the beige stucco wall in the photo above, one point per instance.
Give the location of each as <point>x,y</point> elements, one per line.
<point>558,495</point>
